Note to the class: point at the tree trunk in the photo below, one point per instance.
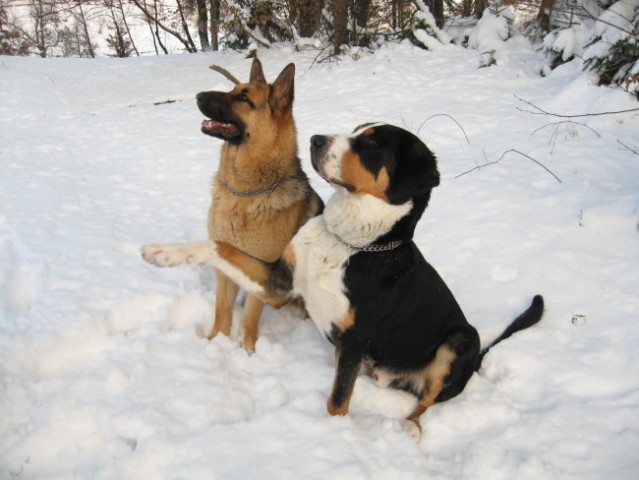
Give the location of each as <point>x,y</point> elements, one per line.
<point>307,14</point>
<point>128,30</point>
<point>189,43</point>
<point>394,14</point>
<point>438,12</point>
<point>202,25</point>
<point>467,8</point>
<point>362,10</point>
<point>340,16</point>
<point>480,6</point>
<point>157,27</point>
<point>543,16</point>
<point>87,38</point>
<point>215,23</point>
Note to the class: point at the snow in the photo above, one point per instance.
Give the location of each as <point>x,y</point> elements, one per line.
<point>104,372</point>
<point>569,41</point>
<point>614,23</point>
<point>615,26</point>
<point>426,30</point>
<point>491,32</point>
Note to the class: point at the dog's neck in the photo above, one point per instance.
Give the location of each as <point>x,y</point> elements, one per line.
<point>248,169</point>
<point>359,220</point>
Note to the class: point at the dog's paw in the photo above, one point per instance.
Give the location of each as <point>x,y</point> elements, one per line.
<point>412,428</point>
<point>334,409</point>
<point>161,255</point>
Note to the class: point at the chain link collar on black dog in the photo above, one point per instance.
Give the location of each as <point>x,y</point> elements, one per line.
<point>260,191</point>
<point>373,247</point>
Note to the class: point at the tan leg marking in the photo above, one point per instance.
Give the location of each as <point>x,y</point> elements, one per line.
<point>330,406</point>
<point>252,313</point>
<point>433,376</point>
<point>224,301</point>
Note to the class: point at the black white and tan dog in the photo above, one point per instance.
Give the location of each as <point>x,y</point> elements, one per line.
<point>260,195</point>
<point>363,280</point>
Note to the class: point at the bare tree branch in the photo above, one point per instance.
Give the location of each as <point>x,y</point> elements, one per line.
<point>543,112</point>
<point>449,117</point>
<point>502,156</point>
<point>189,46</point>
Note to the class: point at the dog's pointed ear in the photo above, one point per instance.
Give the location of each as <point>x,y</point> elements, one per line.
<point>283,91</point>
<point>257,74</point>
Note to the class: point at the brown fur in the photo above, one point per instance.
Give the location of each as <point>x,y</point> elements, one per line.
<point>260,224</point>
<point>361,180</point>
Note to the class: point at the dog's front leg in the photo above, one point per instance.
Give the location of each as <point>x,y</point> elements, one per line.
<point>272,283</point>
<point>349,356</point>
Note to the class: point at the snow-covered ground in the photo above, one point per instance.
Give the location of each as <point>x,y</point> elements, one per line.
<point>104,373</point>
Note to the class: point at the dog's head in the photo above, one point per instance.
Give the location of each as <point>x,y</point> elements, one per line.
<point>385,161</point>
<point>250,108</point>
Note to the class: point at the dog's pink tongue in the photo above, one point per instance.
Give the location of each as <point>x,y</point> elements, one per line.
<point>211,124</point>
<point>219,128</point>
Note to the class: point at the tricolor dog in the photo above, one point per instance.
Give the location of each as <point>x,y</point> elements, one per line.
<point>363,280</point>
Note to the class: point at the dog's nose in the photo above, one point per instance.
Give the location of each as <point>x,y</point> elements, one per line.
<point>318,141</point>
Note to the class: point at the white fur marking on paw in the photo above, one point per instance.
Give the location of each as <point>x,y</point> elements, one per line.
<point>412,429</point>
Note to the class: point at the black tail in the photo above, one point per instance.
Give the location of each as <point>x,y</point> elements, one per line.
<point>527,319</point>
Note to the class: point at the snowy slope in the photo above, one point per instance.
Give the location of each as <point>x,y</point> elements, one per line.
<point>104,373</point>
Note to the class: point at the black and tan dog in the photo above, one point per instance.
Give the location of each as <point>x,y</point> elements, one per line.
<point>364,282</point>
<point>260,195</point>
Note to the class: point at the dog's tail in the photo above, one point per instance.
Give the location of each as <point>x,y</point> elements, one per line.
<point>527,319</point>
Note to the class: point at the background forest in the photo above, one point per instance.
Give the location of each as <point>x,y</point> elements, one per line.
<point>603,34</point>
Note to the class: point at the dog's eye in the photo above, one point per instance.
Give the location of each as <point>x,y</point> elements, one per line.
<point>242,97</point>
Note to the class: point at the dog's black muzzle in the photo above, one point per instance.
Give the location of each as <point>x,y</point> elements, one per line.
<point>223,123</point>
<point>319,145</point>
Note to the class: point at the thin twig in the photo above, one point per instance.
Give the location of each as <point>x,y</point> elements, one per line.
<point>167,101</point>
<point>225,72</point>
<point>627,147</point>
<point>543,112</point>
<point>315,60</point>
<point>502,156</point>
<point>555,133</point>
<point>449,117</point>
<point>567,121</point>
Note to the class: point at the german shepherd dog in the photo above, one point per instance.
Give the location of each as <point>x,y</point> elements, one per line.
<point>260,195</point>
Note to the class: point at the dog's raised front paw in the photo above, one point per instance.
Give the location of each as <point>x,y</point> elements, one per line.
<point>159,255</point>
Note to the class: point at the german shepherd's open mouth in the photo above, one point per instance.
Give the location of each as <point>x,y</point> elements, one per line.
<point>222,122</point>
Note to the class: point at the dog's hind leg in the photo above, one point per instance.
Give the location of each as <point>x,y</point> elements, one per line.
<point>431,380</point>
<point>446,375</point>
<point>226,293</point>
<point>252,313</point>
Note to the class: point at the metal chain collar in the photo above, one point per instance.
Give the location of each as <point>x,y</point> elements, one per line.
<point>259,191</point>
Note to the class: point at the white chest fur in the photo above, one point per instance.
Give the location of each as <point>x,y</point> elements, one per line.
<point>320,261</point>
<point>321,258</point>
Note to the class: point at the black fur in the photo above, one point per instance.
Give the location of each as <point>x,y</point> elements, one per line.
<point>404,312</point>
